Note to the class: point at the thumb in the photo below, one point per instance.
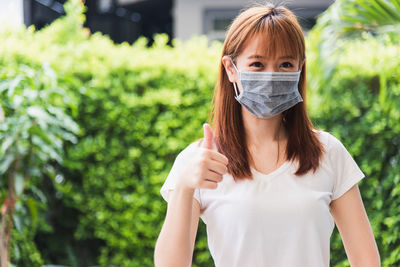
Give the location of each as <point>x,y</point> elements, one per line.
<point>208,136</point>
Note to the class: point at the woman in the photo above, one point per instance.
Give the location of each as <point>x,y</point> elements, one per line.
<point>268,185</point>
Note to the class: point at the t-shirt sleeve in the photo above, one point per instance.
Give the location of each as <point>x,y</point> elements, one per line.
<point>347,172</point>
<point>180,162</point>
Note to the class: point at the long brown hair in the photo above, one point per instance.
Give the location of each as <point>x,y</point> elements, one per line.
<point>282,31</point>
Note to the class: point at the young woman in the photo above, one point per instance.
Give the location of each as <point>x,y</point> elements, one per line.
<point>268,185</point>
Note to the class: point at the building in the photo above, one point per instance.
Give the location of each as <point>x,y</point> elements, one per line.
<point>212,17</point>
<point>11,12</point>
<point>126,20</point>
<point>122,20</point>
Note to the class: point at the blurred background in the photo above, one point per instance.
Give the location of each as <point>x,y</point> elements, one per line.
<point>99,97</point>
<point>127,20</point>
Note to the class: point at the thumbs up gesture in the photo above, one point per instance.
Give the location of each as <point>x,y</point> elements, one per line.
<point>208,140</point>
<point>207,166</point>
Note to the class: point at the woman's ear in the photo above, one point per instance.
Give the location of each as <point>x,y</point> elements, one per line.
<point>229,68</point>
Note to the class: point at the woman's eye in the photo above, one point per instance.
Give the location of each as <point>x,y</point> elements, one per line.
<point>287,65</point>
<point>256,64</point>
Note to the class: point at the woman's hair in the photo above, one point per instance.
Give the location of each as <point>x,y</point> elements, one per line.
<point>282,31</point>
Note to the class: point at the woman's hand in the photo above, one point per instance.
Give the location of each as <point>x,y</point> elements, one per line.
<point>206,168</point>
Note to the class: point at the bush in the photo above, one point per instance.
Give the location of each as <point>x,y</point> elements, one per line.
<point>360,104</point>
<point>33,128</point>
<point>137,108</point>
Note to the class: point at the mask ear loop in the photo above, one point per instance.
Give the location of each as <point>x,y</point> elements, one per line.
<point>234,84</point>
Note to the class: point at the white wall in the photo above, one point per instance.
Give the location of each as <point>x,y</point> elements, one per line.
<point>11,12</point>
<point>188,14</point>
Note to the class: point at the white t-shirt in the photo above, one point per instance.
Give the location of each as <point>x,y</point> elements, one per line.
<point>277,219</point>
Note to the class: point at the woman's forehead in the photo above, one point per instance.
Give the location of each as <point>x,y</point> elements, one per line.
<point>260,46</point>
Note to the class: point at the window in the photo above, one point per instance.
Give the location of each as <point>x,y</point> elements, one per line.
<point>217,21</point>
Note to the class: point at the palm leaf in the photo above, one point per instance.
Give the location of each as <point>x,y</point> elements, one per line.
<point>348,19</point>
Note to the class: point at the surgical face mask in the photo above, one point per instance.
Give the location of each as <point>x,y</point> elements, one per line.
<point>267,94</point>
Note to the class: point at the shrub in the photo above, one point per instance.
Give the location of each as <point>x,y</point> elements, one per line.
<point>360,104</point>
<point>33,128</point>
<point>137,108</point>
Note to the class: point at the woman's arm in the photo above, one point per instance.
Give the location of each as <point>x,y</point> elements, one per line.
<point>352,222</point>
<point>175,243</point>
<point>204,169</point>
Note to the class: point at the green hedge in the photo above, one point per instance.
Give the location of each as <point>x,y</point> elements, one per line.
<point>137,107</point>
<point>360,104</point>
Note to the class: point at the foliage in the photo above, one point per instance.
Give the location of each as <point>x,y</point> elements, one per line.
<point>361,105</point>
<point>355,91</point>
<point>137,107</point>
<point>33,129</point>
<point>133,109</point>
<point>348,20</point>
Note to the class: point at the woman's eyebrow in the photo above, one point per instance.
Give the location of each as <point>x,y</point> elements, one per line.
<point>283,57</point>
<point>287,57</point>
<point>255,56</point>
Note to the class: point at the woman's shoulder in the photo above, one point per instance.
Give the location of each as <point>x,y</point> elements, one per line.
<point>330,142</point>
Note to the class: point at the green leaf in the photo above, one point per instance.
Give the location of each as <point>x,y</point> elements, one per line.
<point>13,84</point>
<point>5,162</point>
<point>39,114</point>
<point>31,203</point>
<point>7,141</point>
<point>18,183</point>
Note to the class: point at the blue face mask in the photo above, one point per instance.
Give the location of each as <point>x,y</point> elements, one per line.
<point>267,94</point>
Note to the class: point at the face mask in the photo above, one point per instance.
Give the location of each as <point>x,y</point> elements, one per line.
<point>267,94</point>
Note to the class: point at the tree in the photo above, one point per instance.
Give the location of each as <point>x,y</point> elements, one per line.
<point>33,129</point>
<point>349,19</point>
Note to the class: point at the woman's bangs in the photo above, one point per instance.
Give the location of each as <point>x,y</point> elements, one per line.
<point>279,40</point>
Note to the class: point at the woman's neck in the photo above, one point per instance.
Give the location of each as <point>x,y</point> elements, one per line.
<point>266,139</point>
<point>263,131</point>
